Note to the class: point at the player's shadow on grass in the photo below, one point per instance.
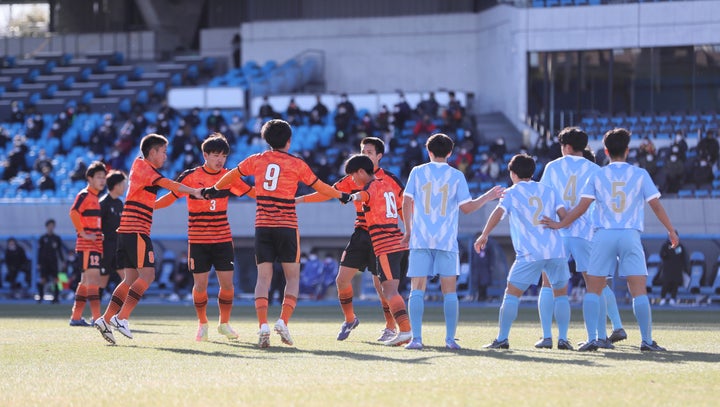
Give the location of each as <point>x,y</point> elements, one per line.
<point>523,356</point>
<point>666,357</point>
<point>200,352</point>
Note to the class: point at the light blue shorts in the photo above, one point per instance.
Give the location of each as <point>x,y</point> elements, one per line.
<point>619,248</point>
<point>431,262</point>
<point>580,250</point>
<point>524,274</point>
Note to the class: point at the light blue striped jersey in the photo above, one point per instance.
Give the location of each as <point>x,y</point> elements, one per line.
<point>620,191</point>
<point>527,202</point>
<point>437,190</point>
<point>568,175</point>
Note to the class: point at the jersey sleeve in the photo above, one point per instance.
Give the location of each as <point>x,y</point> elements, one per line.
<point>650,190</point>
<point>410,186</point>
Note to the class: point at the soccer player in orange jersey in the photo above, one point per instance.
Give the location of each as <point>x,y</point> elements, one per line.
<point>381,213</point>
<point>209,238</point>
<point>135,250</point>
<point>277,174</point>
<point>358,254</point>
<point>85,216</point>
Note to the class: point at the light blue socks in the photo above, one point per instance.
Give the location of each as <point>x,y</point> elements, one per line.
<point>508,313</point>
<point>416,308</point>
<point>545,310</point>
<point>451,309</point>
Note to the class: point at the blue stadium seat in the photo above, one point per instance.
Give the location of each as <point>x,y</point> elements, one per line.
<point>697,270</point>
<point>142,97</point>
<point>702,193</point>
<point>685,193</point>
<point>715,193</point>
<point>68,83</point>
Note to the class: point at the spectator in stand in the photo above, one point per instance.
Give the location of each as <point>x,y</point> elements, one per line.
<point>16,261</point>
<point>63,123</point>
<point>41,161</point>
<point>463,162</point>
<point>702,173</point>
<point>163,125</point>
<point>50,258</point>
<point>344,119</point>
<point>293,113</point>
<point>266,110</point>
<point>555,150</point>
<point>101,138</point>
<point>168,112</point>
<point>319,112</point>
<point>647,161</point>
<point>4,136</point>
<point>46,182</point>
<point>141,124</point>
<point>453,115</point>
<point>425,127</point>
<point>708,148</point>
<point>647,147</point>
<point>236,44</point>
<point>17,115</point>
<point>679,147</point>
<point>674,264</point>
<point>192,119</point>
<point>78,171</point>
<point>412,157</point>
<point>428,107</point>
<point>177,147</point>
<point>674,174</point>
<point>401,113</point>
<point>489,169</point>
<point>215,121</point>
<point>27,184</point>
<point>366,126</point>
<point>16,158</point>
<point>238,128</point>
<point>498,149</point>
<point>382,120</point>
<point>34,127</point>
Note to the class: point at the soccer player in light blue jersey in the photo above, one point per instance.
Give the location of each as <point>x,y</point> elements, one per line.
<point>537,248</point>
<point>568,175</point>
<point>620,191</point>
<point>434,194</point>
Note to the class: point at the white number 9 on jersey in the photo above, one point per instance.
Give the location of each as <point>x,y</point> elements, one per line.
<point>272,173</point>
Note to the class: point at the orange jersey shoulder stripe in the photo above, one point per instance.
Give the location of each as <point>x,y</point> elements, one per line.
<point>277,175</point>
<point>140,201</point>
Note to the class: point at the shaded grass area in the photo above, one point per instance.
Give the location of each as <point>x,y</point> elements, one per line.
<point>48,363</point>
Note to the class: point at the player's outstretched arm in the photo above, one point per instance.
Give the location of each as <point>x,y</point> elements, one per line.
<point>570,217</point>
<point>491,223</point>
<point>165,200</point>
<point>662,216</point>
<point>495,192</point>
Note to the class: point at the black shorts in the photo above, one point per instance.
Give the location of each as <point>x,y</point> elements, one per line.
<point>392,266</point>
<point>359,253</point>
<point>134,251</point>
<point>108,264</point>
<point>91,259</point>
<point>202,256</point>
<point>277,244</point>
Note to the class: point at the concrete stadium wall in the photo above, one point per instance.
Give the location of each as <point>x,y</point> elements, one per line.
<point>482,53</point>
<point>331,220</point>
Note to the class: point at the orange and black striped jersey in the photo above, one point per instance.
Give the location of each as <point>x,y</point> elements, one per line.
<point>207,219</point>
<point>380,205</point>
<point>346,184</point>
<point>143,185</point>
<point>277,174</point>
<point>85,214</point>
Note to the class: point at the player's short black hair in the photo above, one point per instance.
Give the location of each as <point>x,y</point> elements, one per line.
<point>358,162</point>
<point>589,155</point>
<point>113,178</point>
<point>440,145</point>
<point>151,141</point>
<point>276,133</point>
<point>215,143</point>
<point>94,168</point>
<point>49,221</point>
<point>616,141</point>
<point>522,165</point>
<point>378,143</point>
<point>575,137</point>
